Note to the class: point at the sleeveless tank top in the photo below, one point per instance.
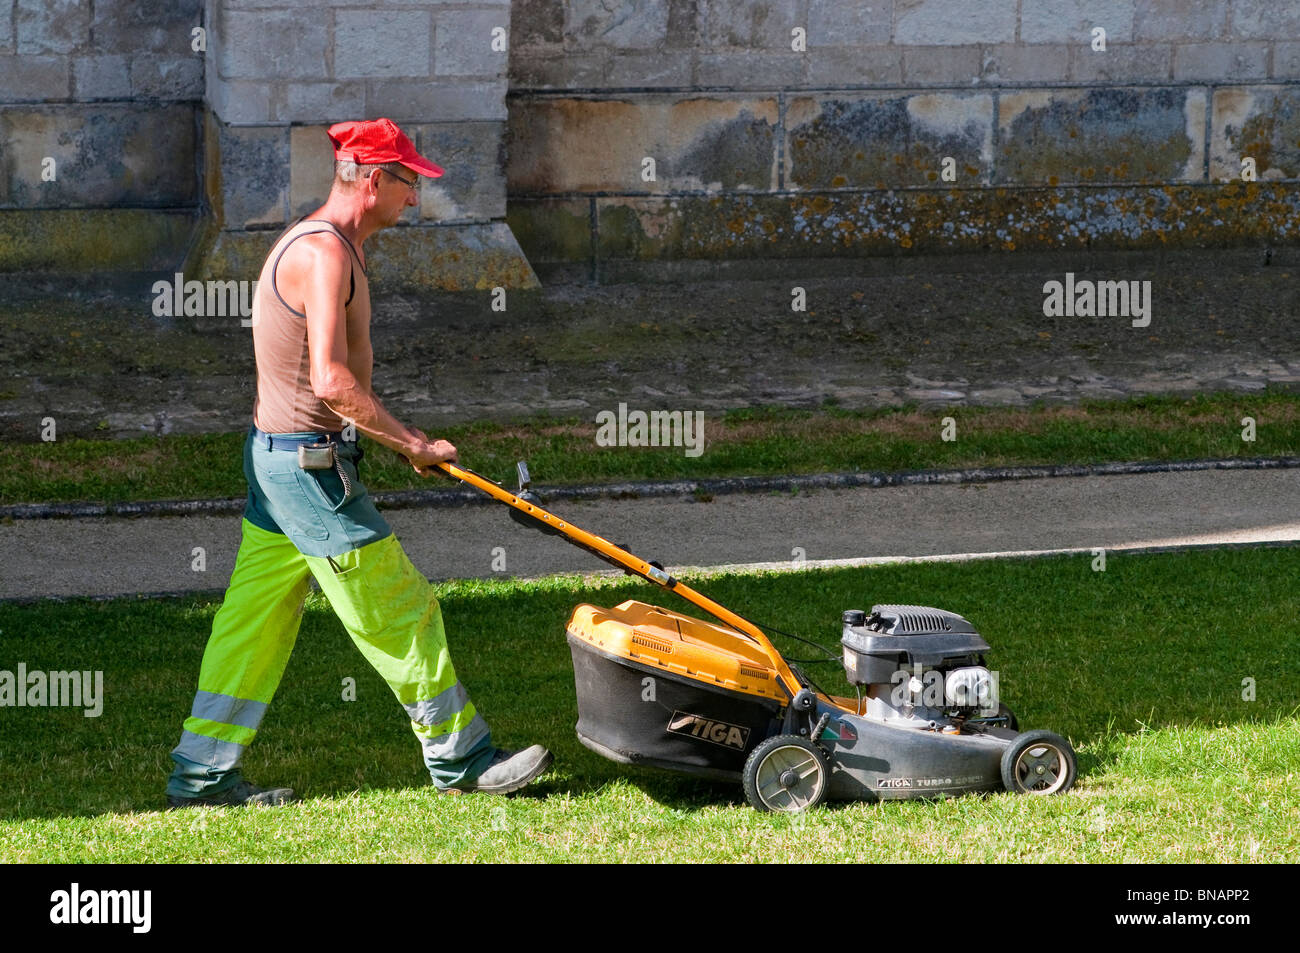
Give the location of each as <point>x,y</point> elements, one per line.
<point>285,400</point>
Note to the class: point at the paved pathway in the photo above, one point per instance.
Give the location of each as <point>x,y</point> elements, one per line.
<point>148,555</point>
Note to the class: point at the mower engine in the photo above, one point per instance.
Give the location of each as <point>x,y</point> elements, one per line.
<point>918,665</point>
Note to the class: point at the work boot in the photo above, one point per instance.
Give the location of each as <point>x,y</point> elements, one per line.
<point>507,771</point>
<point>237,795</point>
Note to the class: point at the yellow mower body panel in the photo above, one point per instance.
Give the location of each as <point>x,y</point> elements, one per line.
<point>658,638</point>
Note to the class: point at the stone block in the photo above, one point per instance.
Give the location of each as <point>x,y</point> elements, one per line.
<point>104,155</point>
<point>102,76</point>
<point>1080,136</point>
<point>1121,63</point>
<point>854,225</point>
<point>404,101</point>
<point>323,102</point>
<point>167,77</point>
<point>254,174</point>
<point>324,5</point>
<point>685,21</point>
<point>551,229</point>
<point>837,23</point>
<point>274,45</point>
<point>749,24</point>
<point>1008,64</point>
<point>28,79</point>
<point>1264,20</point>
<point>463,41</point>
<point>1221,61</point>
<point>311,169</point>
<point>240,101</point>
<point>853,66</point>
<point>1160,21</point>
<point>703,143</point>
<point>669,68</point>
<point>631,25</point>
<point>728,227</point>
<point>1262,122</point>
<point>473,256</point>
<point>954,22</point>
<point>537,24</point>
<point>941,65</point>
<point>473,185</point>
<point>155,26</point>
<point>1286,61</point>
<point>530,70</point>
<point>879,141</point>
<point>72,241</point>
<point>51,26</point>
<point>382,43</point>
<point>1072,21</point>
<point>738,70</point>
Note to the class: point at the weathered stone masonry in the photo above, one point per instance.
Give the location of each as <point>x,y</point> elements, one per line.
<point>762,151</point>
<point>545,112</point>
<point>200,157</point>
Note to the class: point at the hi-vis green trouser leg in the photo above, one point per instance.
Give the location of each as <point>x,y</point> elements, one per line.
<point>386,604</point>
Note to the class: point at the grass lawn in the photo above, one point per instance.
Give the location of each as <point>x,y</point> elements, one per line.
<point>762,441</point>
<point>1141,667</point>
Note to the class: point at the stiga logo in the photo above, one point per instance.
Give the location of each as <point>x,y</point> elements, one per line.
<point>894,783</point>
<point>705,729</point>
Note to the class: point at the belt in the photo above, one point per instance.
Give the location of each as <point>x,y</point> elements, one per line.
<point>279,441</point>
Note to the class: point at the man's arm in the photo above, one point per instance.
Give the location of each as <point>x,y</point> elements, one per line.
<point>332,380</point>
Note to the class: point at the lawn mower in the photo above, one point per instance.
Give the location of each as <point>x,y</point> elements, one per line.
<point>667,690</point>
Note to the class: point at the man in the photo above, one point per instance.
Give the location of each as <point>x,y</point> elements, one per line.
<point>308,514</point>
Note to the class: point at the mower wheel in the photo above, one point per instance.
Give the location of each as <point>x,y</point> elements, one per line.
<point>786,773</point>
<point>1038,762</point>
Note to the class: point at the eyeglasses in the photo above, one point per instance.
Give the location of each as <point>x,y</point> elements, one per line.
<point>413,185</point>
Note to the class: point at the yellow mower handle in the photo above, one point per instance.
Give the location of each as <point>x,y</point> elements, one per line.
<point>620,557</point>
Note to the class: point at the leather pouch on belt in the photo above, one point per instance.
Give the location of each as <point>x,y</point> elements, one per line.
<point>325,457</point>
<point>316,456</point>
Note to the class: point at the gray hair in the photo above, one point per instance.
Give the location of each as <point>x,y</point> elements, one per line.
<point>345,170</point>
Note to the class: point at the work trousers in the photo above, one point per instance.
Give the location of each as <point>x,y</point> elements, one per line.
<point>299,523</point>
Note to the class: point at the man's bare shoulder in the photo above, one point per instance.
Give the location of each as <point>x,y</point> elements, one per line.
<point>318,258</point>
<point>316,249</point>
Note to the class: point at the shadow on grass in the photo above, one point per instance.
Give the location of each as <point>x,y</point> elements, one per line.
<point>1169,640</point>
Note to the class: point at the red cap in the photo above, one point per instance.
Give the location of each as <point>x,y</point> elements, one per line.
<point>378,140</point>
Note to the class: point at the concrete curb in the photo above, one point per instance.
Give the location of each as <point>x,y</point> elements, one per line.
<point>417,499</point>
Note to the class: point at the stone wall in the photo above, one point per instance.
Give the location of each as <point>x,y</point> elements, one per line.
<point>99,119</point>
<point>222,136</point>
<point>826,128</point>
<point>631,131</point>
<point>72,51</point>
